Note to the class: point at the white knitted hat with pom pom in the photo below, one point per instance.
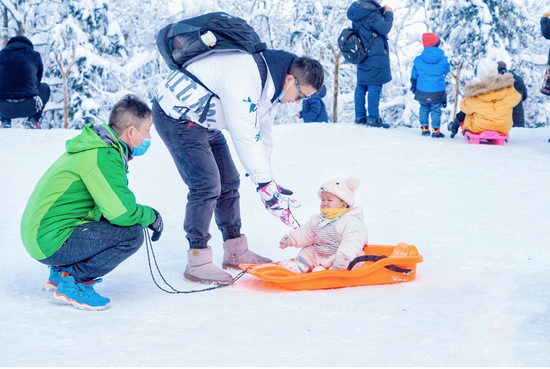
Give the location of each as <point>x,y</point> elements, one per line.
<point>344,189</point>
<point>487,68</point>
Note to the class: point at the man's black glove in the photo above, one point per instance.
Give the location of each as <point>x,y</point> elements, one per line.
<point>444,104</point>
<point>156,227</point>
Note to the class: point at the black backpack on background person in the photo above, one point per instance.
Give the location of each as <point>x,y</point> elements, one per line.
<point>182,43</point>
<point>351,45</point>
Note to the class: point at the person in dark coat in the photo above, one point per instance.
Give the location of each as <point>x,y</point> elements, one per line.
<point>375,70</point>
<point>22,94</point>
<point>313,109</point>
<point>518,113</point>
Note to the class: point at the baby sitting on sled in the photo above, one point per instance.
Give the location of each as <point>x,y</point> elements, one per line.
<point>333,238</point>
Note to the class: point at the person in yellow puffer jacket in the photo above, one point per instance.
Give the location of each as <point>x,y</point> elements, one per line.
<point>489,102</point>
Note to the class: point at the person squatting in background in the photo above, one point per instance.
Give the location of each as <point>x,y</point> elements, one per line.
<point>332,238</point>
<point>488,103</point>
<point>22,92</point>
<point>375,70</point>
<point>428,84</point>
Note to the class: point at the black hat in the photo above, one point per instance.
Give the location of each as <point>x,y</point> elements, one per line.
<point>22,39</point>
<point>501,67</point>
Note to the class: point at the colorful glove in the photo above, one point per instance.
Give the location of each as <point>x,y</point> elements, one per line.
<point>285,195</point>
<point>156,227</point>
<point>546,15</point>
<point>277,203</point>
<point>342,261</point>
<point>285,242</point>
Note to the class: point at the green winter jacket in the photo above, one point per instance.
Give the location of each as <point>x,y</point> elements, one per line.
<point>85,183</point>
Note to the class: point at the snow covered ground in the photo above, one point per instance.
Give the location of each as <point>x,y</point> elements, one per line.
<point>479,215</point>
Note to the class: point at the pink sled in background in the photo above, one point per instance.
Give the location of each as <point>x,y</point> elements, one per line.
<point>490,137</point>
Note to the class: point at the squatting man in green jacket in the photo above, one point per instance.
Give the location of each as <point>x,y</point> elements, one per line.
<point>82,220</point>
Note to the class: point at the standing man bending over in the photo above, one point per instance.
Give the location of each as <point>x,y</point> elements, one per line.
<point>201,153</point>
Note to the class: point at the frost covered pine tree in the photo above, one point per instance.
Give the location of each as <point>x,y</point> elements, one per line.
<point>13,18</point>
<point>100,54</point>
<point>143,68</point>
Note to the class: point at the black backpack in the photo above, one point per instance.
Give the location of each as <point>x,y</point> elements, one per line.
<point>232,34</point>
<point>351,45</point>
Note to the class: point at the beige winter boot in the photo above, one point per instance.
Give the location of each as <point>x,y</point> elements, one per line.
<point>235,251</point>
<point>200,268</point>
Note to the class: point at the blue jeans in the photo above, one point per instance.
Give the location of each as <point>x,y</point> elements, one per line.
<point>96,248</point>
<point>204,162</point>
<point>373,101</point>
<point>434,109</point>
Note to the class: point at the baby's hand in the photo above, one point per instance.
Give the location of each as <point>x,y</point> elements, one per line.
<point>342,261</point>
<point>285,242</point>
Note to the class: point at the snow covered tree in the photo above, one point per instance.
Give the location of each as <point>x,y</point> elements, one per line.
<point>314,33</point>
<point>14,11</point>
<point>100,53</point>
<point>139,21</point>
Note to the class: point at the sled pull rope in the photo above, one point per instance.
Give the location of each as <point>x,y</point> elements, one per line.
<point>375,258</point>
<point>150,252</point>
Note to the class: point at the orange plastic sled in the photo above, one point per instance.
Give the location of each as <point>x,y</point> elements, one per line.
<point>398,264</point>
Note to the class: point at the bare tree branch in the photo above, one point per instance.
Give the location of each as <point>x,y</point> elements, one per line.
<point>64,76</point>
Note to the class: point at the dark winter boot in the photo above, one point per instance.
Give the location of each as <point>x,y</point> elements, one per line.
<point>235,252</point>
<point>32,123</point>
<point>6,123</point>
<point>200,268</point>
<point>453,127</point>
<point>436,133</point>
<point>378,123</point>
<point>425,130</point>
<point>361,120</point>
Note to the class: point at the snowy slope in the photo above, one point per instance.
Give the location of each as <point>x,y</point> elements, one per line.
<point>478,214</point>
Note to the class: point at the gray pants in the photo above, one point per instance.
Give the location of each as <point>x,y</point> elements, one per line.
<point>205,164</point>
<point>94,249</point>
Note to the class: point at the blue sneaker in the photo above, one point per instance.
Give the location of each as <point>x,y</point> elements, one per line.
<point>53,279</point>
<point>80,295</point>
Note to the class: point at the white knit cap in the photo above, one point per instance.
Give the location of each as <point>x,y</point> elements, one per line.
<point>486,68</point>
<point>344,189</point>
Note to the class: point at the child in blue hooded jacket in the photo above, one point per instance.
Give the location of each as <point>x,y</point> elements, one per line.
<point>313,108</point>
<point>428,84</point>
